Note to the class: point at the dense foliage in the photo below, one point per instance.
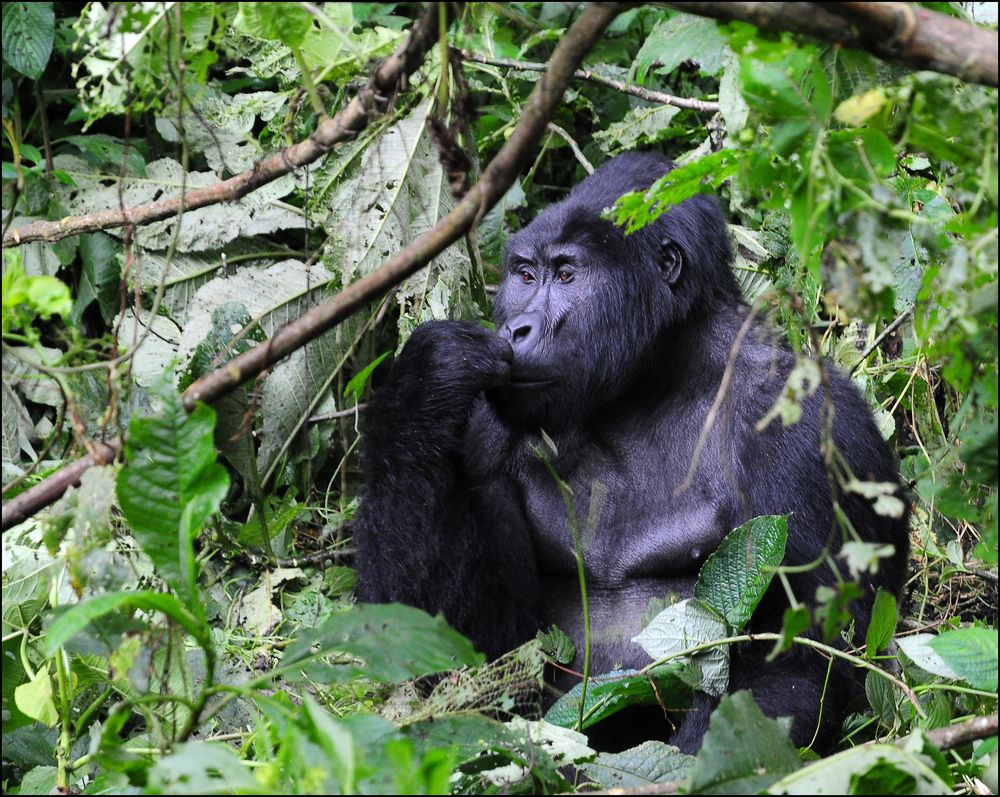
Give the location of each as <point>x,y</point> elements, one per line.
<point>183,622</point>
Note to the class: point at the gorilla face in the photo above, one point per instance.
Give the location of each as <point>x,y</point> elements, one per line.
<point>588,310</point>
<point>570,280</point>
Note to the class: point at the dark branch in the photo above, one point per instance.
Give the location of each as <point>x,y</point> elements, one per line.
<point>498,176</point>
<point>907,34</point>
<point>593,77</point>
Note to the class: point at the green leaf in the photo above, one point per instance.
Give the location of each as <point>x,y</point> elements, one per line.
<point>48,296</point>
<point>611,692</point>
<point>34,698</point>
<point>883,624</point>
<point>78,617</point>
<point>557,645</point>
<point>638,209</point>
<point>202,768</point>
<point>395,642</point>
<point>287,22</point>
<point>744,752</point>
<point>683,37</point>
<point>869,769</point>
<point>862,154</point>
<point>918,649</point>
<point>171,485</point>
<point>356,387</point>
<point>793,623</point>
<point>734,578</point>
<point>971,653</point>
<point>649,763</point>
<point>684,625</point>
<point>28,31</point>
<point>99,277</point>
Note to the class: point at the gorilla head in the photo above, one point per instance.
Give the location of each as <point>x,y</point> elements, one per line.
<point>573,280</point>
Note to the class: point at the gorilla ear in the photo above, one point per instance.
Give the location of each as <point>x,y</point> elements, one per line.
<point>671,261</point>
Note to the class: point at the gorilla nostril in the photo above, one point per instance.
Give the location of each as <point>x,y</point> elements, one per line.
<point>520,334</point>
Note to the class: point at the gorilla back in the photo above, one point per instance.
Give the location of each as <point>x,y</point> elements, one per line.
<point>616,347</point>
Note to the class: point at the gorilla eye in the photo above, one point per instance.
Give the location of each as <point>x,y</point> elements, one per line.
<point>564,275</point>
<point>525,275</point>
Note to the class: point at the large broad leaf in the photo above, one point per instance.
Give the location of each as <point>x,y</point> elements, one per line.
<point>875,769</point>
<point>649,763</point>
<point>611,692</point>
<point>171,485</point>
<point>685,625</point>
<point>394,642</point>
<point>683,37</point>
<point>971,653</point>
<point>394,191</point>
<point>744,752</point>
<point>734,578</point>
<point>919,650</point>
<point>202,768</point>
<point>295,387</point>
<point>210,227</point>
<point>28,31</point>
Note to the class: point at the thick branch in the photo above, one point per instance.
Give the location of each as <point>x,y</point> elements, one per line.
<point>498,176</point>
<point>593,77</point>
<point>951,736</point>
<point>901,32</point>
<point>384,82</point>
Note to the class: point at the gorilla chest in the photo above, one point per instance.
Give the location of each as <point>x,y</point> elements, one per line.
<point>630,517</point>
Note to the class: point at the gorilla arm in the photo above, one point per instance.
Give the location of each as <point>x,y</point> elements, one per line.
<point>429,532</point>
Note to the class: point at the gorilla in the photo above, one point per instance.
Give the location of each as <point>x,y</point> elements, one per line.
<point>615,346</point>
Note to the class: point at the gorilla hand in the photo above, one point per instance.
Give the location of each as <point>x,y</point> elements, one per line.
<point>444,366</point>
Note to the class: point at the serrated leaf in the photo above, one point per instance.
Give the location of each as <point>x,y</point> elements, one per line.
<point>649,763</point>
<point>882,625</point>
<point>638,209</point>
<point>734,578</point>
<point>285,22</point>
<point>685,625</point>
<point>611,692</point>
<point>683,37</point>
<point>918,649</point>
<point>744,751</point>
<point>171,485</point>
<point>28,32</point>
<point>395,642</point>
<point>971,653</point>
<point>557,644</point>
<point>639,126</point>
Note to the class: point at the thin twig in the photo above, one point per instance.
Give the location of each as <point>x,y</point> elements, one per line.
<point>881,337</point>
<point>588,167</point>
<point>594,77</point>
<point>720,395</point>
<point>330,416</point>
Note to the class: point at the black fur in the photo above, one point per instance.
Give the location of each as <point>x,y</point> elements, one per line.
<point>616,346</point>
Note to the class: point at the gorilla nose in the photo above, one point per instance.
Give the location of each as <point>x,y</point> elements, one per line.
<point>523,331</point>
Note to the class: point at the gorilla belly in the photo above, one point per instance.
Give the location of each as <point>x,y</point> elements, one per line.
<point>615,617</point>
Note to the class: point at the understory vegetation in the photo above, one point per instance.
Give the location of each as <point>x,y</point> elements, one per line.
<point>182,620</point>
